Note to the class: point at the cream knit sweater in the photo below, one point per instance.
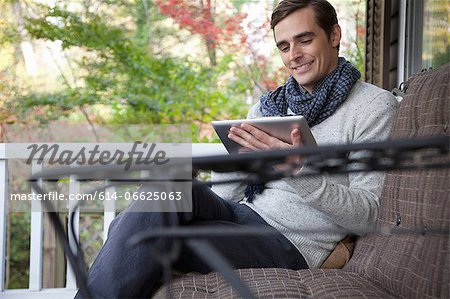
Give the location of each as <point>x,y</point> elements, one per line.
<point>315,213</point>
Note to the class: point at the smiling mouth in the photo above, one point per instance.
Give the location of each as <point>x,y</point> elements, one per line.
<point>303,66</point>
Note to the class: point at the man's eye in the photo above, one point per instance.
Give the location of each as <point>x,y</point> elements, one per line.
<point>308,41</point>
<point>284,49</point>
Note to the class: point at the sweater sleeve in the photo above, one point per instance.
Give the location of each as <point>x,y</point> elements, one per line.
<point>234,191</point>
<point>353,206</point>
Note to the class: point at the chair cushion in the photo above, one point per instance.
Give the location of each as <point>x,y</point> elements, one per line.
<point>277,283</point>
<point>414,261</point>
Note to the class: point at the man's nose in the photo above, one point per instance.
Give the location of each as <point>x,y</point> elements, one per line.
<point>295,52</point>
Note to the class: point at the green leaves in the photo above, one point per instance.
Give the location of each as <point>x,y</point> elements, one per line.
<point>114,68</point>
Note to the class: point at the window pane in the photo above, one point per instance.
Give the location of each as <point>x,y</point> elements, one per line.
<point>436,33</point>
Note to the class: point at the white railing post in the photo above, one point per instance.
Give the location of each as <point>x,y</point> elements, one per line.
<point>36,240</point>
<point>109,212</point>
<point>74,188</point>
<point>402,42</point>
<point>4,179</point>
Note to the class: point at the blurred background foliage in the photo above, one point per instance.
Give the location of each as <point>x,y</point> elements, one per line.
<point>140,61</point>
<point>135,62</point>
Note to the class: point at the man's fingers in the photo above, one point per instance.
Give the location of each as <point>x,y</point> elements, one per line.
<point>247,136</point>
<point>260,135</point>
<point>296,137</point>
<point>243,138</point>
<point>296,142</point>
<point>265,141</point>
<point>253,138</point>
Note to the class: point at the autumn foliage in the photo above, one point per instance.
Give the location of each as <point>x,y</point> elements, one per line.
<point>201,18</point>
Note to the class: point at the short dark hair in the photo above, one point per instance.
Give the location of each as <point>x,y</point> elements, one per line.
<point>325,13</point>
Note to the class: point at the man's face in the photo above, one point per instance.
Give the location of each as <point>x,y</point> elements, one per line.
<point>305,48</point>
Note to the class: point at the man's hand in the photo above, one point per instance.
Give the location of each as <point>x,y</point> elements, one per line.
<point>253,139</point>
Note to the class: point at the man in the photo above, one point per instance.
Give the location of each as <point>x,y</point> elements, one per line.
<point>308,215</point>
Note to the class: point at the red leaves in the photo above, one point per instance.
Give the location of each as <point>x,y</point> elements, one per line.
<point>220,25</point>
<point>201,19</point>
<point>360,30</point>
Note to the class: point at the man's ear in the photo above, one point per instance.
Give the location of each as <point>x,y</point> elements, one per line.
<point>336,35</point>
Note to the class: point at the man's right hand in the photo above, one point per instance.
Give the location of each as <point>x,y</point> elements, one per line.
<point>253,139</point>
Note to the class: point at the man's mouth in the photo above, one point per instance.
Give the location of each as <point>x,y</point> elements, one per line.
<point>303,66</point>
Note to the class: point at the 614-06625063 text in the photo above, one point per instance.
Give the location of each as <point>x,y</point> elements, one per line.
<point>148,195</point>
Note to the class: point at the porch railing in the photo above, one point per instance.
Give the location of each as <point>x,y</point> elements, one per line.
<point>35,286</point>
<point>377,156</point>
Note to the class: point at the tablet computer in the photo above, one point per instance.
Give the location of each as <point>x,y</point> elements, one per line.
<point>278,126</point>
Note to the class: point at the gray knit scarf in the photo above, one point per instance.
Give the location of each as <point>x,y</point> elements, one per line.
<point>327,95</point>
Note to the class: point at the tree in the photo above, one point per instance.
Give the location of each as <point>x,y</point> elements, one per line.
<point>227,29</point>
<point>201,18</point>
<point>118,73</point>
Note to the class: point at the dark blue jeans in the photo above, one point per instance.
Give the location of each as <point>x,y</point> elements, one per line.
<point>121,272</point>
